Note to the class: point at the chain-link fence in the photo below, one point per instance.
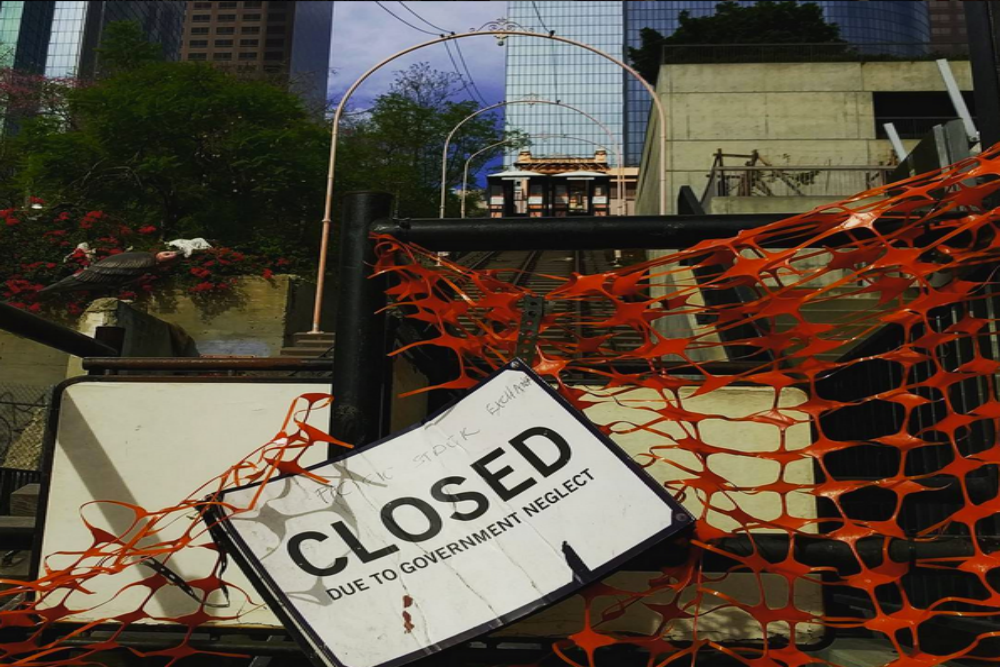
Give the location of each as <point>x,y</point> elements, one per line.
<point>22,424</point>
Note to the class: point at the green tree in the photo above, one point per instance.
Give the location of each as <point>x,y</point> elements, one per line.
<point>187,148</point>
<point>765,22</point>
<point>124,47</point>
<point>396,145</point>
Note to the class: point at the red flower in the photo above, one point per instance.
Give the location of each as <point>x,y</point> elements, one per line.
<point>35,307</point>
<point>148,229</point>
<point>13,221</point>
<point>35,200</point>
<point>127,294</point>
<point>200,273</point>
<point>62,217</point>
<point>282,261</point>
<point>202,287</point>
<point>267,273</point>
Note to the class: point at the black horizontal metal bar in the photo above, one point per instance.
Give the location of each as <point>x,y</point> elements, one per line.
<point>578,233</point>
<point>206,364</point>
<point>153,643</point>
<point>46,332</point>
<point>815,551</point>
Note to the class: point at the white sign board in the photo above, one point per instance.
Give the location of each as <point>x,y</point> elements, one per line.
<point>500,505</point>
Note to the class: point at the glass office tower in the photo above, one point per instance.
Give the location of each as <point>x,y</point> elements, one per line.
<point>548,70</point>
<point>24,34</point>
<point>310,61</point>
<point>58,38</point>
<point>901,28</point>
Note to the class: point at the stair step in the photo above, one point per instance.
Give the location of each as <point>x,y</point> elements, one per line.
<point>313,344</point>
<point>327,338</point>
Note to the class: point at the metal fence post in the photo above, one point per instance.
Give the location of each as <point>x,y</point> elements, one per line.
<point>359,360</point>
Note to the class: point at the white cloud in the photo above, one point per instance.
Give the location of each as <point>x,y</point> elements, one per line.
<point>364,34</point>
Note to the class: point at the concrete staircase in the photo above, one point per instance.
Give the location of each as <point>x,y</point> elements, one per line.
<point>309,346</point>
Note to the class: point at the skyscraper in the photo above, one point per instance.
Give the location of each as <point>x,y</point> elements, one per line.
<point>287,39</point>
<point>59,38</point>
<point>530,68</point>
<point>545,69</point>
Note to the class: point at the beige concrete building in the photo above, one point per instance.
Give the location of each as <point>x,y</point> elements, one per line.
<point>815,119</point>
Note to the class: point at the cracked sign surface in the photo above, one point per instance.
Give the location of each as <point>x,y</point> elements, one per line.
<point>502,504</point>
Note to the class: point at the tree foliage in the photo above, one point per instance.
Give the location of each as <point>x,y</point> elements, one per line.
<point>192,150</point>
<point>396,145</point>
<point>185,147</point>
<point>124,47</point>
<point>765,22</point>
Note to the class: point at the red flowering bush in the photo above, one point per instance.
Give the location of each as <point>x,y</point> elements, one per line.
<point>39,247</point>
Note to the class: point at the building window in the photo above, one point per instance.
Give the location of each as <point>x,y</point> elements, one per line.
<point>275,43</point>
<point>199,31</point>
<point>252,5</point>
<point>203,5</point>
<point>228,5</point>
<point>201,18</point>
<point>277,55</point>
<point>227,17</point>
<point>249,42</point>
<point>249,55</point>
<point>196,56</point>
<point>250,30</point>
<point>276,18</point>
<point>223,43</point>
<point>225,31</point>
<point>276,30</point>
<point>198,43</point>
<point>251,17</point>
<point>222,56</point>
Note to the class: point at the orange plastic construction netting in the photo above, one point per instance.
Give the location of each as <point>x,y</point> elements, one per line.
<point>820,393</point>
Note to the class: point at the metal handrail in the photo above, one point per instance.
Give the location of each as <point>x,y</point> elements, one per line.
<point>46,332</point>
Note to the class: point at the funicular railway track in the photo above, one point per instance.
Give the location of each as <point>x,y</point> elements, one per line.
<point>541,272</point>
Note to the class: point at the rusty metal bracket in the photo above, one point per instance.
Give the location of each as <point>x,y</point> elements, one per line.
<point>533,310</point>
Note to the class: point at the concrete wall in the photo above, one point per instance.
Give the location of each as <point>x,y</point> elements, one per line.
<point>253,320</point>
<point>792,113</point>
<point>24,362</point>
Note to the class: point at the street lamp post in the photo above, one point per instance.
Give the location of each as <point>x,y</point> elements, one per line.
<point>465,168</point>
<point>501,30</point>
<point>454,130</point>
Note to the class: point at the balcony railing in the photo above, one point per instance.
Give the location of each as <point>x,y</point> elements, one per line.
<point>674,54</point>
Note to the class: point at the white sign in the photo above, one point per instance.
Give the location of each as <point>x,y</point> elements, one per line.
<point>504,503</point>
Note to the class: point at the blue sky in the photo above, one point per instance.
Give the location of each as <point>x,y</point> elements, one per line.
<point>364,33</point>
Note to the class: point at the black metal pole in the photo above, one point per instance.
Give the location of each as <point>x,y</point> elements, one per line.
<point>359,355</point>
<point>41,330</point>
<point>983,20</point>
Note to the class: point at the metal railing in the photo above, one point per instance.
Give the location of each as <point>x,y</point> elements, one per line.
<point>792,180</point>
<point>679,54</point>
